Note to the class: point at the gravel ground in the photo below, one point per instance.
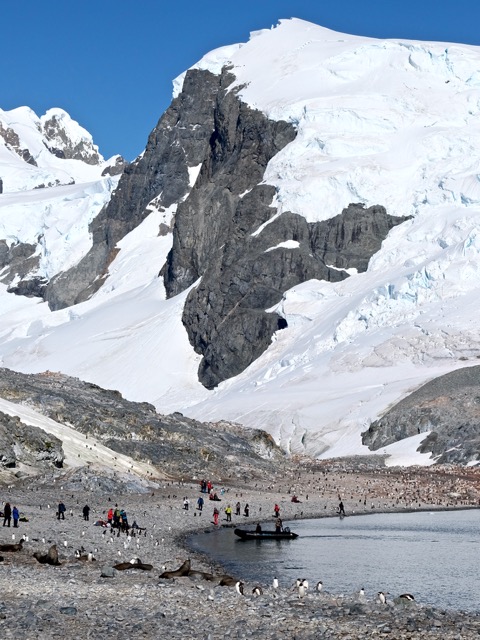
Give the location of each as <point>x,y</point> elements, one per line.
<point>87,598</point>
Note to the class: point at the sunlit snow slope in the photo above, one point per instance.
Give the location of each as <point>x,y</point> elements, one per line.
<point>386,122</point>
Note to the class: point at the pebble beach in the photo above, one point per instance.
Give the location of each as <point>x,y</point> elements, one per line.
<point>86,596</point>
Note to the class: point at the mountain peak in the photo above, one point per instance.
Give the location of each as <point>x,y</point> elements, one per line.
<point>65,138</point>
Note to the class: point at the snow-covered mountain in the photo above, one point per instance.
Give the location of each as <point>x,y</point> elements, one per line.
<point>305,122</point>
<point>53,183</point>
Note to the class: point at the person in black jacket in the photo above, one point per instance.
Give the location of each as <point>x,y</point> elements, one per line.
<point>61,511</point>
<point>7,514</point>
<point>86,512</point>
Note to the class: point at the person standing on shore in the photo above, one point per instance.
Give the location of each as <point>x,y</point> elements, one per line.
<point>341,510</point>
<point>61,511</point>
<point>228,513</point>
<point>246,510</point>
<point>200,503</point>
<point>237,509</point>
<point>86,512</point>
<point>216,513</point>
<point>7,514</point>
<point>276,510</point>
<point>15,516</point>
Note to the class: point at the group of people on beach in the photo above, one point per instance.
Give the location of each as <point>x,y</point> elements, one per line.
<point>117,518</point>
<point>9,514</point>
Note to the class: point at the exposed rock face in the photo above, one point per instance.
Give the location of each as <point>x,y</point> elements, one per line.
<point>12,141</point>
<point>21,259</point>
<point>175,444</point>
<point>178,142</point>
<point>116,168</point>
<point>59,142</point>
<point>31,446</point>
<point>448,407</point>
<point>225,314</point>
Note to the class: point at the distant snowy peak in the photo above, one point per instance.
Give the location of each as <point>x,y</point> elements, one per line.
<point>65,138</point>
<point>48,151</point>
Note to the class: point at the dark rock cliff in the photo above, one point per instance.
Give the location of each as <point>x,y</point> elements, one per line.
<point>448,408</point>
<point>225,314</point>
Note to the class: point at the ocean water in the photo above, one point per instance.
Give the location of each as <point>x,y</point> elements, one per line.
<point>433,555</point>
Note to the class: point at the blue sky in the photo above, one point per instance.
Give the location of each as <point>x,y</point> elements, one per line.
<point>111,63</point>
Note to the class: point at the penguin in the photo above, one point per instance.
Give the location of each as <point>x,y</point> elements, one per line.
<point>305,583</point>
<point>382,597</point>
<point>239,587</point>
<point>301,590</point>
<point>275,583</point>
<point>407,596</point>
<point>319,586</point>
<point>257,591</point>
<point>298,582</point>
<point>361,592</point>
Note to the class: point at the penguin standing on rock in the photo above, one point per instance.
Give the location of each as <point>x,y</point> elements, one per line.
<point>319,586</point>
<point>239,588</point>
<point>275,583</point>
<point>382,598</point>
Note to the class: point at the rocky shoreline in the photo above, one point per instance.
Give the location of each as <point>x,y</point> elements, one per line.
<point>89,598</point>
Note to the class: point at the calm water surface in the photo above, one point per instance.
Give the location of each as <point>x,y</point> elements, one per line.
<point>434,555</point>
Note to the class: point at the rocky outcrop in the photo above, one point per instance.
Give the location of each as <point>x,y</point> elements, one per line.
<point>448,408</point>
<point>58,140</point>
<point>116,167</point>
<point>176,445</point>
<point>27,445</point>
<point>225,315</point>
<point>12,142</point>
<point>17,262</point>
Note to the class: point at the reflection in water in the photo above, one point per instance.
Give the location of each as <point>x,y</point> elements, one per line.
<point>434,555</point>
